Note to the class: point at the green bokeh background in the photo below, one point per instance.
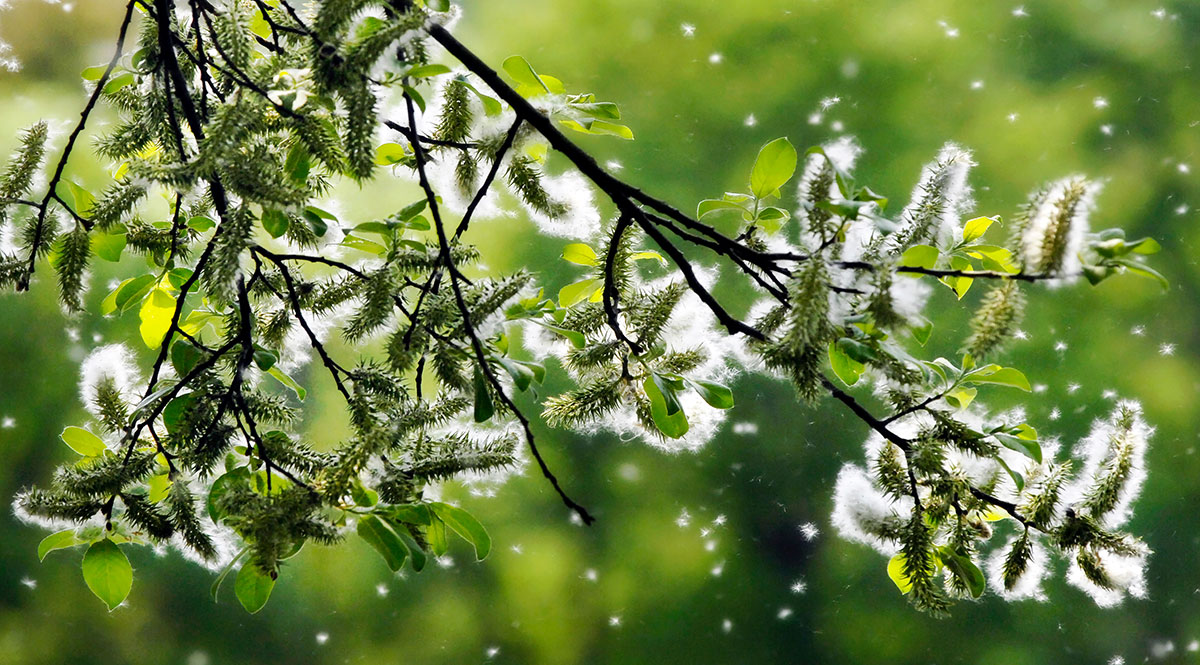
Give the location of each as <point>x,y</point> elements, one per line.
<point>905,73</point>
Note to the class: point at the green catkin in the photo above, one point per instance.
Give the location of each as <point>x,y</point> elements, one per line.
<point>996,321</point>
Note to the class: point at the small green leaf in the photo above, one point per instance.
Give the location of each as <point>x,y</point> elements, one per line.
<point>107,572</point>
<point>83,442</point>
<point>964,569</point>
<point>117,82</point>
<point>466,526</point>
<point>94,73</point>
<point>184,357</point>
<point>156,314</point>
<point>108,246</point>
<point>1030,449</point>
<point>253,587</point>
<point>484,408</point>
<point>425,71</point>
<point>298,164</point>
<point>57,541</point>
<point>289,382</point>
<point>919,256</point>
<point>275,222</point>
<point>961,397</point>
<point>385,541</point>
<point>712,205</point>
<point>389,154</point>
<point>1004,376</point>
<point>1018,479</point>
<point>216,585</point>
<point>975,228</point>
<point>844,367</point>
<point>579,291</point>
<point>715,394</point>
<point>519,69</point>
<point>774,166</point>
<point>665,411</point>
<point>895,571</point>
<point>580,254</point>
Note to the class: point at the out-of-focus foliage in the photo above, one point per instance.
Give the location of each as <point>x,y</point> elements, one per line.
<point>902,91</point>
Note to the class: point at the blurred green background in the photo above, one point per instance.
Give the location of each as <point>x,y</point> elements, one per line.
<point>700,558</point>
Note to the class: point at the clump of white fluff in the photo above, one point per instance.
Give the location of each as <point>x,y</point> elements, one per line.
<point>940,198</point>
<point>1057,227</point>
<point>1126,576</point>
<point>581,220</point>
<point>1107,439</point>
<point>113,361</point>
<point>1028,584</point>
<point>859,507</point>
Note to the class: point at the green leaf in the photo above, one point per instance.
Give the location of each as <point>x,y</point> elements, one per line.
<point>117,82</point>
<point>579,291</point>
<point>484,409</point>
<point>289,382</point>
<point>83,442</point>
<point>961,397</point>
<point>220,486</point>
<point>774,166</point>
<point>274,222</point>
<point>1018,479</point>
<point>964,569</point>
<point>184,356</point>
<point>156,314</point>
<point>1143,270</point>
<point>389,154</point>
<point>771,219</point>
<point>575,337</point>
<point>107,572</point>
<point>665,411</point>
<point>649,255</point>
<point>717,395</point>
<point>414,550</point>
<point>265,359</point>
<point>298,164</point>
<point>77,198</point>
<point>425,71</point>
<point>415,96</point>
<point>1030,449</point>
<point>1145,246</point>
<point>216,585</point>
<point>385,541</point>
<point>519,69</point>
<point>580,254</point>
<point>131,292</point>
<point>466,526</point>
<point>1003,376</point>
<point>975,228</point>
<point>94,73</point>
<point>201,223</point>
<point>844,367</point>
<point>919,256</point>
<point>158,485</point>
<point>922,331</point>
<point>57,541</point>
<point>895,571</point>
<point>522,375</point>
<point>108,246</point>
<point>253,587</point>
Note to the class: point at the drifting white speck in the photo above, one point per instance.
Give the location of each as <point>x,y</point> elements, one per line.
<point>1182,209</point>
<point>750,120</point>
<point>1183,168</point>
<point>710,546</point>
<point>719,520</point>
<point>322,638</point>
<point>1116,660</point>
<point>1060,346</point>
<point>1161,649</point>
<point>809,531</point>
<point>837,126</point>
<point>684,519</point>
<point>715,59</point>
<point>1020,12</point>
<point>1012,117</point>
<point>8,423</point>
<point>949,31</point>
<point>1138,331</point>
<point>575,519</point>
<point>850,69</point>
<point>1021,335</point>
<point>1166,349</point>
<point>799,587</point>
<point>1106,130</point>
<point>815,118</point>
<point>492,652</point>
<point>1055,414</point>
<point>1109,394</point>
<point>704,532</point>
<point>629,472</point>
<point>830,102</point>
<point>382,590</point>
<point>516,549</point>
<point>614,620</point>
<point>726,625</point>
<point>1160,13</point>
<point>688,30</point>
<point>1193,646</point>
<point>591,575</point>
<point>745,428</point>
<point>783,613</point>
<point>718,569</point>
<point>1072,388</point>
<point>977,85</point>
<point>1100,103</point>
<point>1040,387</point>
<point>613,165</point>
<point>29,582</point>
<point>73,334</point>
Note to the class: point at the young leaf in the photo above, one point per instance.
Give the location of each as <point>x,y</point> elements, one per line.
<point>82,441</point>
<point>466,526</point>
<point>580,254</point>
<point>107,572</point>
<point>666,412</point>
<point>774,166</point>
<point>385,541</point>
<point>717,395</point>
<point>484,409</point>
<point>253,587</point>
<point>57,541</point>
<point>895,571</point>
<point>156,313</point>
